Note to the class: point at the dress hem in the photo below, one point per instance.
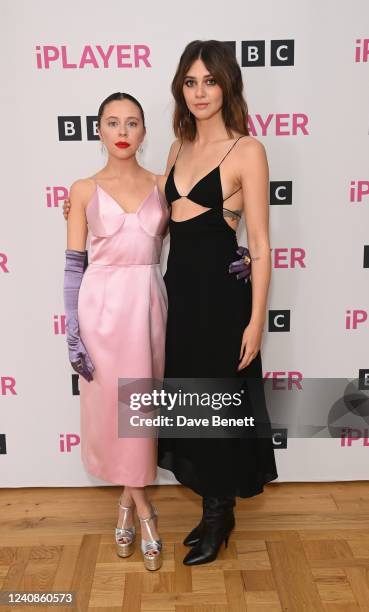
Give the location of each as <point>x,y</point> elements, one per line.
<point>238,492</point>
<point>120,483</point>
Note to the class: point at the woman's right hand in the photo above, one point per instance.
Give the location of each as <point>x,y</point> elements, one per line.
<point>79,359</point>
<point>66,208</point>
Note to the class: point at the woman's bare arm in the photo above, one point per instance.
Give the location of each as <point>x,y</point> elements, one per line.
<point>79,195</point>
<point>254,174</point>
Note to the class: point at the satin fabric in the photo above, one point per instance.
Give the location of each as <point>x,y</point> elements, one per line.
<point>122,311</point>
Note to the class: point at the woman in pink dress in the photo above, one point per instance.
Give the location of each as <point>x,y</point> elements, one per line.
<point>116,312</point>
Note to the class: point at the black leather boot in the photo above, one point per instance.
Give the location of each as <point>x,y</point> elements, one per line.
<point>193,537</point>
<point>217,523</point>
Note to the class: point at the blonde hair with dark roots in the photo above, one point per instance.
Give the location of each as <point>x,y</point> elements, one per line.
<point>221,63</point>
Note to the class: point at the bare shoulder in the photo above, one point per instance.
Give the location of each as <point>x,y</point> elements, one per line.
<point>175,145</point>
<point>251,159</point>
<point>174,148</point>
<point>251,147</point>
<point>82,190</point>
<point>153,177</point>
<point>173,152</point>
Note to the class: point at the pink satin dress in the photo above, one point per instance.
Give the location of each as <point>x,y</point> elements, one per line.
<point>122,311</point>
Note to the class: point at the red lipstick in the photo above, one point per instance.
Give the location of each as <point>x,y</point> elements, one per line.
<point>122,144</point>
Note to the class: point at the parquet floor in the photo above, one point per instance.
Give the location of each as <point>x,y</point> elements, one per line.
<point>297,547</point>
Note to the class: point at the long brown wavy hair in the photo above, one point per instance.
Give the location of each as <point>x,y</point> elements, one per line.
<point>221,63</point>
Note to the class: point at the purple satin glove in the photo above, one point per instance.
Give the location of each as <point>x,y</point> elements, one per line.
<point>241,267</point>
<point>73,273</point>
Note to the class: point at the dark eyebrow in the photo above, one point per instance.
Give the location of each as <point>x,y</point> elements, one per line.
<point>206,76</point>
<point>113,117</point>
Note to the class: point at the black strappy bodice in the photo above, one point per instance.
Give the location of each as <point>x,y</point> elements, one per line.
<point>207,192</point>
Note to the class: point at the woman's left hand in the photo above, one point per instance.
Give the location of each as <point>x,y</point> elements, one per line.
<point>250,345</point>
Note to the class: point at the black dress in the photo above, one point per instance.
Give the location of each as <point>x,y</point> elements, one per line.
<point>207,314</point>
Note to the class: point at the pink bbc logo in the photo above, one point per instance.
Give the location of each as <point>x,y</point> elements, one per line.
<point>3,263</point>
<point>55,196</point>
<point>358,190</point>
<point>67,441</point>
<point>284,381</point>
<point>59,324</point>
<point>7,385</point>
<point>92,57</point>
<point>283,257</point>
<point>355,317</point>
<point>279,124</point>
<point>349,435</point>
<point>361,50</point>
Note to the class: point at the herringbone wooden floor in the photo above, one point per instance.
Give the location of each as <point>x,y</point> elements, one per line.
<point>297,547</point>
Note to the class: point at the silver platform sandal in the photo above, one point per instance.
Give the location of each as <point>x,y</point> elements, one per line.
<point>125,536</point>
<point>151,549</point>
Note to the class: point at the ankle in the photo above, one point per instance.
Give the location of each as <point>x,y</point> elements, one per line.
<point>126,501</point>
<point>144,510</point>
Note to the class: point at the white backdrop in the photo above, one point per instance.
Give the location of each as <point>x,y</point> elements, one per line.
<point>326,84</point>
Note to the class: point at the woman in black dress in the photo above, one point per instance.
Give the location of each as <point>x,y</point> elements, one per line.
<point>215,172</point>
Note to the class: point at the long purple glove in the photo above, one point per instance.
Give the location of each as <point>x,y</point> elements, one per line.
<point>241,267</point>
<point>73,273</point>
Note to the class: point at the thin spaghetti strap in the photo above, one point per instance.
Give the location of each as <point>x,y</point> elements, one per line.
<point>228,152</point>
<point>95,182</point>
<point>232,194</point>
<point>175,161</point>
